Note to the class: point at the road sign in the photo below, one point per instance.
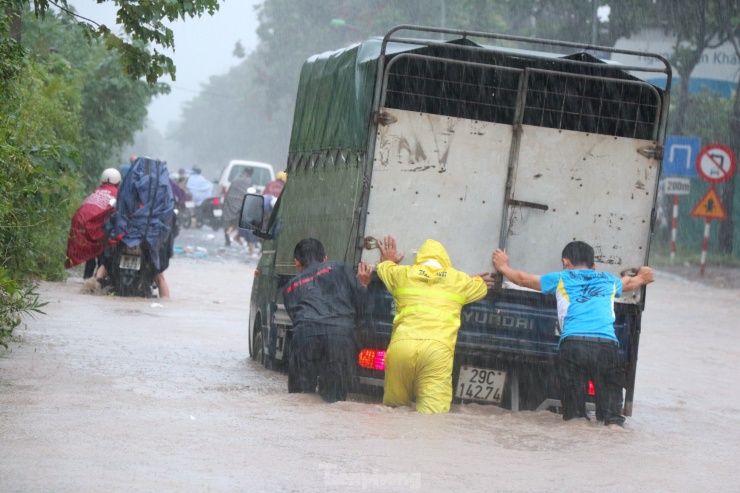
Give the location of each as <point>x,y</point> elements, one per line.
<point>680,155</point>
<point>676,186</point>
<point>710,206</point>
<point>715,163</point>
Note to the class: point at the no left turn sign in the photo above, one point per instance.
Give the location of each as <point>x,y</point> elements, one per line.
<point>715,163</point>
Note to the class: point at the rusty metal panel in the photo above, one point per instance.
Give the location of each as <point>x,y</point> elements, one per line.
<point>442,178</point>
<point>597,188</point>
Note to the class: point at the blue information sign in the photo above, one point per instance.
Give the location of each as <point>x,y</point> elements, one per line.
<point>680,156</point>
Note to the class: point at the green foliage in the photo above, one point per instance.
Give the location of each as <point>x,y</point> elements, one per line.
<point>37,125</point>
<point>110,107</point>
<point>236,109</point>
<point>16,301</point>
<point>142,24</point>
<point>709,117</point>
<point>65,109</point>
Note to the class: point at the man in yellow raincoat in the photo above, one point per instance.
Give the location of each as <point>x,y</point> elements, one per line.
<point>429,297</point>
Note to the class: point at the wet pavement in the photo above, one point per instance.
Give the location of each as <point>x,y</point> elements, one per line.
<point>126,394</point>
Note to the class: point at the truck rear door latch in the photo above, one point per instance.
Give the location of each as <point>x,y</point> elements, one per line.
<point>652,151</point>
<point>384,118</point>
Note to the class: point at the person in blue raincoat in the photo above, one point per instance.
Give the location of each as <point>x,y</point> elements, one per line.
<point>429,297</point>
<point>198,186</point>
<point>145,216</point>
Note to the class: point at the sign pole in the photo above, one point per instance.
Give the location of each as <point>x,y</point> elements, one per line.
<point>704,247</point>
<point>674,228</point>
<point>715,163</point>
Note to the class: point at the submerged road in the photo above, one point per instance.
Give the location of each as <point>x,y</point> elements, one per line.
<point>113,394</point>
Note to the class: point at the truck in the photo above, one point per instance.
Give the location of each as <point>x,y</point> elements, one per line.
<point>262,174</point>
<point>477,140</point>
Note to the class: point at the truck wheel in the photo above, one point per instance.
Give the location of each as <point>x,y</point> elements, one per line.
<point>258,350</point>
<point>258,347</point>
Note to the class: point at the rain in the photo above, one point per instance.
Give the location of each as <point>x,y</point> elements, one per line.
<point>480,124</point>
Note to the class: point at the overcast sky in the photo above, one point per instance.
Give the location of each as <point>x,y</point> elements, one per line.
<point>203,47</point>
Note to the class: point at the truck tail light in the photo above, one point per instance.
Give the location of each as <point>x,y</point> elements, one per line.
<point>373,359</point>
<point>591,388</point>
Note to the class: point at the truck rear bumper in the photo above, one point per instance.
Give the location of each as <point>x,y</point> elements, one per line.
<point>375,382</point>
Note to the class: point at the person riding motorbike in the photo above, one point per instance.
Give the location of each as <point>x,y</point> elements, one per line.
<point>142,231</point>
<point>198,186</point>
<point>200,190</point>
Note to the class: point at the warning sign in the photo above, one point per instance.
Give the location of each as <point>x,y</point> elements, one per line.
<point>710,207</point>
<point>715,163</point>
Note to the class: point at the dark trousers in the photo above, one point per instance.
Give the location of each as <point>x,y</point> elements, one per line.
<point>92,265</point>
<point>581,361</point>
<point>323,361</point>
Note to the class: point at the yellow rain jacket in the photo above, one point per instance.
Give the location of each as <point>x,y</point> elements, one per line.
<point>429,297</point>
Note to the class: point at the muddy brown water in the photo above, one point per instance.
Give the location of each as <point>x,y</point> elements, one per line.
<point>111,394</point>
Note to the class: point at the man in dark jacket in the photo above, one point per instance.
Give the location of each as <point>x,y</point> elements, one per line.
<point>323,302</point>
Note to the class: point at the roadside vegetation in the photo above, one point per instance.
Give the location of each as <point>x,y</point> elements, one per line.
<point>73,94</point>
<point>66,109</point>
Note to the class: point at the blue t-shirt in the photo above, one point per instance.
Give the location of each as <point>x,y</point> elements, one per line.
<point>585,301</point>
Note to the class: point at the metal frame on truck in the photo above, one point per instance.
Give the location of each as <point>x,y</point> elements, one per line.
<point>476,146</point>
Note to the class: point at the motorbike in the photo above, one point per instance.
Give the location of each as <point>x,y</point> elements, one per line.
<point>132,272</point>
<point>209,212</point>
<point>142,229</point>
<point>186,214</point>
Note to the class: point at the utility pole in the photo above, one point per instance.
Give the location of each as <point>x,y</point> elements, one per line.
<point>442,16</point>
<point>594,22</point>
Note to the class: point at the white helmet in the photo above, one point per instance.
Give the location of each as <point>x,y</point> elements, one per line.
<point>111,175</point>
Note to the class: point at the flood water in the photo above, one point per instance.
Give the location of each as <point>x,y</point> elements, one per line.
<point>112,394</point>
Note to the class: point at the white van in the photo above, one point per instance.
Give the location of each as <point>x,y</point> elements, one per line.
<point>262,173</point>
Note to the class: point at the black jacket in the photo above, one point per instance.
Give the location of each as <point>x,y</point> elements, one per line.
<point>324,299</point>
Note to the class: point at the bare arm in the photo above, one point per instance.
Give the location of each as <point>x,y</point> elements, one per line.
<point>388,250</point>
<point>644,276</point>
<point>501,264</point>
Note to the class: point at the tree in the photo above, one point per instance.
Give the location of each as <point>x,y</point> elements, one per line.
<point>70,97</point>
<point>730,28</point>
<point>237,110</point>
<point>142,24</point>
<point>111,106</point>
<point>695,23</point>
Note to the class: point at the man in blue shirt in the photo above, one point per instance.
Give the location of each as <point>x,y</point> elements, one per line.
<point>589,349</point>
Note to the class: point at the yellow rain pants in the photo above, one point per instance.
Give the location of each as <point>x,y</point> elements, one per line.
<point>429,297</point>
<point>420,370</point>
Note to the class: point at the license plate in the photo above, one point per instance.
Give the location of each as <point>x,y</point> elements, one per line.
<point>480,384</point>
<point>190,204</point>
<point>217,212</point>
<point>130,262</point>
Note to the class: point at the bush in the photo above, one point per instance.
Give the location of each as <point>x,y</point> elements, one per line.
<point>16,301</point>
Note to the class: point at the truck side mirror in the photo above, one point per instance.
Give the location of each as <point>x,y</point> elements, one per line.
<point>253,212</point>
